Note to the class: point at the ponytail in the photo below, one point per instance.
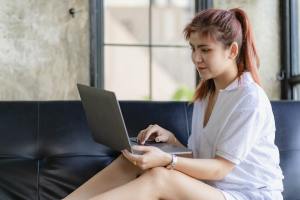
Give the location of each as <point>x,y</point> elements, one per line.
<point>248,58</point>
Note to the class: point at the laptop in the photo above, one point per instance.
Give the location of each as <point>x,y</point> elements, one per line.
<point>105,120</point>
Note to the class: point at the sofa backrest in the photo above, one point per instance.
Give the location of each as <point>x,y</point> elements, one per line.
<point>287,121</point>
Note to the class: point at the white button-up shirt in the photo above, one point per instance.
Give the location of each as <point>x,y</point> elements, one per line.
<point>241,129</point>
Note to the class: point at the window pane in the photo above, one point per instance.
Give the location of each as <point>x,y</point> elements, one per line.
<point>173,74</point>
<point>126,21</point>
<point>296,92</point>
<point>296,70</point>
<point>169,18</point>
<point>295,34</point>
<point>127,72</point>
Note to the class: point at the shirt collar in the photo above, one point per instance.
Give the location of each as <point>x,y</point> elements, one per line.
<point>245,79</point>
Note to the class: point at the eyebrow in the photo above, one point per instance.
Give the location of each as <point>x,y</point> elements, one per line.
<point>199,45</point>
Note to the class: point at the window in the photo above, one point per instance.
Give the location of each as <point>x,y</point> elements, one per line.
<point>144,54</point>
<point>290,42</point>
<point>296,92</point>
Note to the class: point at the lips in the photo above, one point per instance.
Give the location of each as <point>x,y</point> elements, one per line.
<point>201,68</point>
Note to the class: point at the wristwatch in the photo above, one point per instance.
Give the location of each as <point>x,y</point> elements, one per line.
<point>173,162</point>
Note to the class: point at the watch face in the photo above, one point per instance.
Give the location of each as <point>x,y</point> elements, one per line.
<point>174,161</point>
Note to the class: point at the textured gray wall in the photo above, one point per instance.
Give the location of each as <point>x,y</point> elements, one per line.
<point>264,16</point>
<point>44,51</point>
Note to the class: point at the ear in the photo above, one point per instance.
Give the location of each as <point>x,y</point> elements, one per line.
<point>233,50</point>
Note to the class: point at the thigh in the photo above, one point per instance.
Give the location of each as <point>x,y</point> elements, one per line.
<point>181,186</point>
<point>119,172</point>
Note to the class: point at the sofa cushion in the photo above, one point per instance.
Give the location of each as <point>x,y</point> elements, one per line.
<point>18,129</point>
<point>287,116</point>
<point>174,116</point>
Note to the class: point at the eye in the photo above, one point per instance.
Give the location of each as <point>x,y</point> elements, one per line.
<point>205,50</point>
<point>192,48</point>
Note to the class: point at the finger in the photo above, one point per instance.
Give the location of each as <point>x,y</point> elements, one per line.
<point>145,131</point>
<point>140,135</point>
<point>150,125</point>
<point>149,133</point>
<point>141,148</point>
<point>134,158</point>
<point>125,155</point>
<point>161,138</point>
<point>143,138</point>
<point>134,162</point>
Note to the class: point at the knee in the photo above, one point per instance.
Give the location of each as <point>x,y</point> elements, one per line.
<point>159,176</point>
<point>158,172</point>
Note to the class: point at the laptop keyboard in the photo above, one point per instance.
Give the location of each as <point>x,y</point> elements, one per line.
<point>133,140</point>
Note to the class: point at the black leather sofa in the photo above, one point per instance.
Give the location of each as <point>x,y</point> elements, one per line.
<point>46,150</point>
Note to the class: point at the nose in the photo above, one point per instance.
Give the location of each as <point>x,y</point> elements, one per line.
<point>197,57</point>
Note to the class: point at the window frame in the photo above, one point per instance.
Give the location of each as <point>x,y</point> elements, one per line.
<point>289,50</point>
<point>96,43</point>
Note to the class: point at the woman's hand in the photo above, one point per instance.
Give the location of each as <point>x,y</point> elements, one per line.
<point>151,157</point>
<point>155,133</point>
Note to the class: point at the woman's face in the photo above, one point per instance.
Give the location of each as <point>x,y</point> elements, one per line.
<point>210,57</point>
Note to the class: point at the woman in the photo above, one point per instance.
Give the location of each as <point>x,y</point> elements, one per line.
<point>233,129</point>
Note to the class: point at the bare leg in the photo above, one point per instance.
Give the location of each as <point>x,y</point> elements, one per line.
<point>160,183</point>
<point>119,172</point>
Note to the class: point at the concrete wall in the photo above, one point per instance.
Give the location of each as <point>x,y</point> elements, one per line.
<point>44,51</point>
<point>265,19</point>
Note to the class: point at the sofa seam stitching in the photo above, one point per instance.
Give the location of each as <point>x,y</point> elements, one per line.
<point>186,121</point>
<point>37,147</point>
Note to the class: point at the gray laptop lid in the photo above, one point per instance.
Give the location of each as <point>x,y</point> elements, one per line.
<point>104,117</point>
<point>106,122</point>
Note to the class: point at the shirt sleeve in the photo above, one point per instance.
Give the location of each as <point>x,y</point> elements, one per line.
<point>240,134</point>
